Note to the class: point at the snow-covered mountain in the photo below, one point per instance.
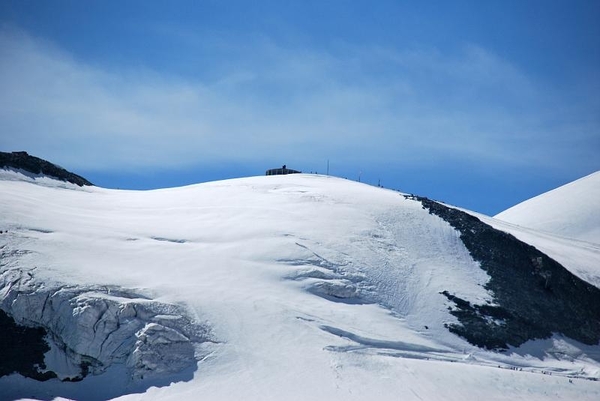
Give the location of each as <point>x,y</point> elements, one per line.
<point>298,287</point>
<point>571,211</point>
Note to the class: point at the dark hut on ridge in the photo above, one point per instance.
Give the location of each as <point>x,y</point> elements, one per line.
<point>282,171</point>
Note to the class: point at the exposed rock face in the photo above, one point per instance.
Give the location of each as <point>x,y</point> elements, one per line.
<point>35,165</point>
<point>23,349</point>
<point>90,328</point>
<point>534,295</point>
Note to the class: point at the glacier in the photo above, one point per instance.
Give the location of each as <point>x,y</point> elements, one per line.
<point>290,287</point>
<point>91,327</point>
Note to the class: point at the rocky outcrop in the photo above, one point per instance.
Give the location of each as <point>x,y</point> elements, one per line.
<point>534,296</point>
<point>23,349</point>
<point>37,166</point>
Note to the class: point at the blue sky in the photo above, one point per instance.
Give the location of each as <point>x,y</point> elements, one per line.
<point>481,104</point>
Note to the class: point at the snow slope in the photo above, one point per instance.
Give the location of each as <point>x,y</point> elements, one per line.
<point>571,211</point>
<point>582,258</point>
<point>302,287</point>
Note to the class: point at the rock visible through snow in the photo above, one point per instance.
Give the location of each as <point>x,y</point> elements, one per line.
<point>36,166</point>
<point>91,328</point>
<point>534,296</point>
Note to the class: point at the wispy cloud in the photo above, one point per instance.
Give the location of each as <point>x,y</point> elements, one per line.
<point>362,104</point>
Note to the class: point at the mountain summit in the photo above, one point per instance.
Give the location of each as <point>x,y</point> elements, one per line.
<point>572,210</point>
<point>286,287</point>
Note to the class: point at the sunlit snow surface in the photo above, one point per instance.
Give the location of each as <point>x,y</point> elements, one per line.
<point>312,287</point>
<point>570,211</point>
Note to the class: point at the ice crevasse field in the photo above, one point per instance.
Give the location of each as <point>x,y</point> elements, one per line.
<point>298,287</point>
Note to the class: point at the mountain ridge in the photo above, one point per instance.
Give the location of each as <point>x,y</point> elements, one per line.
<point>571,210</point>
<point>563,302</point>
<point>34,165</point>
<point>297,279</point>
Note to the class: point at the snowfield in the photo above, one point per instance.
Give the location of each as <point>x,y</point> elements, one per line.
<point>298,287</point>
<point>571,211</point>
